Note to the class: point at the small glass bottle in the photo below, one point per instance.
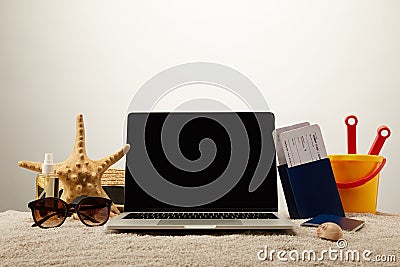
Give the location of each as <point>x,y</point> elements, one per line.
<point>47,182</point>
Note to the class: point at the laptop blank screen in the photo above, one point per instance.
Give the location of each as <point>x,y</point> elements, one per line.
<point>222,161</point>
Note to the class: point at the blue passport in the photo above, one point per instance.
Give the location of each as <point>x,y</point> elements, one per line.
<point>310,189</point>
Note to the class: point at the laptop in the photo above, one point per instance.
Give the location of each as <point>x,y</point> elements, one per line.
<point>200,170</point>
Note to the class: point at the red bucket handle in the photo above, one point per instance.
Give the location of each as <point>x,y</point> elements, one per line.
<point>363,180</point>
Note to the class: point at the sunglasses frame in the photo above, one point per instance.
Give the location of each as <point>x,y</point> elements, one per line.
<point>70,208</point>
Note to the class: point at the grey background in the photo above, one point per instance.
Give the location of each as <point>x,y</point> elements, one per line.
<point>313,60</point>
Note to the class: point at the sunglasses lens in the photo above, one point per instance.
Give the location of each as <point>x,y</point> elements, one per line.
<point>94,211</point>
<point>49,212</point>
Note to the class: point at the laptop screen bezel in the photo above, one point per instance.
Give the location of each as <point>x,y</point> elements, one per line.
<point>131,206</point>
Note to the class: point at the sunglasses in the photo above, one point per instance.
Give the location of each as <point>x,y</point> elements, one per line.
<point>51,212</point>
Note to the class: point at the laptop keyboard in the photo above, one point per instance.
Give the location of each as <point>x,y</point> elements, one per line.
<point>200,215</point>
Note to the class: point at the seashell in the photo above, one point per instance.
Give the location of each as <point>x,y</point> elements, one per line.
<point>330,231</point>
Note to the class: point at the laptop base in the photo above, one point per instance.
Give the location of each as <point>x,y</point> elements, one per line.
<point>119,223</point>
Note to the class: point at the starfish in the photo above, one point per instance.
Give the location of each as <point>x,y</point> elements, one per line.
<point>80,175</point>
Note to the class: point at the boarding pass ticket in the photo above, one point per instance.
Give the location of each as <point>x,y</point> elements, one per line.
<point>277,140</point>
<point>303,145</point>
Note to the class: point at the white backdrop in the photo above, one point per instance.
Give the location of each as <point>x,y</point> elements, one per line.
<point>313,60</point>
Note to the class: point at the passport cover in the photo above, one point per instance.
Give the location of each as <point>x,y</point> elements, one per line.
<point>310,189</point>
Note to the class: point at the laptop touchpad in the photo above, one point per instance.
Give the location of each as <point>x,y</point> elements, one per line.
<point>199,222</point>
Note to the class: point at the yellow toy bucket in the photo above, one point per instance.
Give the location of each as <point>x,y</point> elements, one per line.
<point>357,179</point>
